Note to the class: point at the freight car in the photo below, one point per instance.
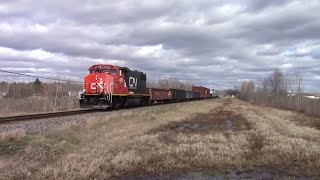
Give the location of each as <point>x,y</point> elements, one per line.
<point>190,95</point>
<point>160,95</point>
<point>204,92</point>
<point>178,95</point>
<point>109,86</point>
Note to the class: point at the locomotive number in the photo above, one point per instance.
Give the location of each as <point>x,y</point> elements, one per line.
<point>133,82</point>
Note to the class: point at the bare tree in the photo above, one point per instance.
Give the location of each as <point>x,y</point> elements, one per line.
<point>276,82</point>
<point>297,85</point>
<point>4,87</point>
<point>171,83</point>
<point>247,90</point>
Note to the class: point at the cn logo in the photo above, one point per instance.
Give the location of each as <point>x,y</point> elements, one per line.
<point>133,82</point>
<point>94,86</point>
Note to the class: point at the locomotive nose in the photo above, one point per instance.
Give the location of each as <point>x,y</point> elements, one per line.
<point>99,83</point>
<point>98,91</point>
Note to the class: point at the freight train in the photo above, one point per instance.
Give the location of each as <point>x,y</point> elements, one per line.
<point>109,86</point>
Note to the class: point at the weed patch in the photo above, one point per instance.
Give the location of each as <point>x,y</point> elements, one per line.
<point>309,121</point>
<point>12,146</point>
<point>205,123</point>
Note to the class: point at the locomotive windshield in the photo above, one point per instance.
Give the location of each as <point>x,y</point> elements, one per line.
<point>92,71</point>
<point>104,69</point>
<point>111,71</point>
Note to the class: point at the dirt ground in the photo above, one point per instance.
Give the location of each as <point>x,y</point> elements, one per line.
<point>216,138</point>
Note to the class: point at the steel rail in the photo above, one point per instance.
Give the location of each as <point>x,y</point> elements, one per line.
<point>7,119</point>
<point>16,118</point>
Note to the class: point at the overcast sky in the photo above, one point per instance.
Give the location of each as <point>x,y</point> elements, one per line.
<point>217,44</point>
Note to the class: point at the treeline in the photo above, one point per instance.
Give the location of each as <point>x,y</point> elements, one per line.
<point>229,92</point>
<point>25,90</point>
<point>279,90</point>
<point>37,96</point>
<point>171,83</point>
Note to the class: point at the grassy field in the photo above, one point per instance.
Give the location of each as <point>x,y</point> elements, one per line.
<point>20,106</point>
<point>209,138</point>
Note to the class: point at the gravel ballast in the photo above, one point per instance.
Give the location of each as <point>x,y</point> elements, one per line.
<point>39,125</point>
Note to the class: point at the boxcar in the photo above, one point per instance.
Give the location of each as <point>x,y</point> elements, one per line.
<point>204,92</point>
<point>160,95</point>
<point>178,95</point>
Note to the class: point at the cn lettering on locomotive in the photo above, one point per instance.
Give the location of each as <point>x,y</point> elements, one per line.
<point>133,83</point>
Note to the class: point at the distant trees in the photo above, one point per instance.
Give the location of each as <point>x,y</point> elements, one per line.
<point>24,90</point>
<point>170,83</point>
<point>52,90</point>
<point>246,90</point>
<point>229,92</point>
<point>17,97</point>
<point>297,85</point>
<point>4,87</point>
<point>37,87</point>
<point>20,90</point>
<point>275,82</point>
<point>232,92</point>
<point>279,90</point>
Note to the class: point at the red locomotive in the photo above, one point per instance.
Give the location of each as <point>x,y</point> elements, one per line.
<point>113,86</point>
<point>109,86</point>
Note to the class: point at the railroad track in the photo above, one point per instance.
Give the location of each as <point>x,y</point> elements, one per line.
<point>7,119</point>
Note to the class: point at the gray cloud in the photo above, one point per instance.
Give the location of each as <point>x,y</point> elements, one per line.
<point>212,43</point>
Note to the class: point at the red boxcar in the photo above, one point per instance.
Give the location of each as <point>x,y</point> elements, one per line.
<point>160,95</point>
<point>204,92</point>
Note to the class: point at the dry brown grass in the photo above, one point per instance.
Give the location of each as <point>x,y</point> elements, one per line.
<point>16,134</point>
<point>172,139</point>
<point>15,106</point>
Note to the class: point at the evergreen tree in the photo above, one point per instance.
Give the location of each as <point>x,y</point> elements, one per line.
<point>37,87</point>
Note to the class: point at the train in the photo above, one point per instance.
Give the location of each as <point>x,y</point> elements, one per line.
<point>109,86</point>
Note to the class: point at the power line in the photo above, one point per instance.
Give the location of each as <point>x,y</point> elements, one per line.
<point>55,79</point>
